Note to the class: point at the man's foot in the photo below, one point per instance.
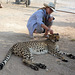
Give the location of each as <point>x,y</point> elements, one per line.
<point>46,36</point>
<point>35,31</point>
<point>32,37</point>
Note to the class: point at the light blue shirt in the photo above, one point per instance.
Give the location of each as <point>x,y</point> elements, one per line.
<point>35,20</point>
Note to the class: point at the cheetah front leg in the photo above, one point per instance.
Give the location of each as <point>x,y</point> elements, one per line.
<point>55,52</point>
<point>34,66</point>
<point>59,54</point>
<point>28,61</point>
<point>30,64</point>
<point>71,56</point>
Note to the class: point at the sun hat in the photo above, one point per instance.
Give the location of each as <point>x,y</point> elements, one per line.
<point>50,5</point>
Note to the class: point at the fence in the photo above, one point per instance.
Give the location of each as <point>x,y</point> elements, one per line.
<point>61,5</point>
<point>66,6</point>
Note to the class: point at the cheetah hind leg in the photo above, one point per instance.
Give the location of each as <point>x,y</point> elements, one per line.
<point>30,64</point>
<point>42,66</point>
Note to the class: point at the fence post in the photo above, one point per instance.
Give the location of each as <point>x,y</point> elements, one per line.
<point>7,2</point>
<point>54,2</point>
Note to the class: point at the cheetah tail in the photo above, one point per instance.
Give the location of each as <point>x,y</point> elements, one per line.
<point>7,57</point>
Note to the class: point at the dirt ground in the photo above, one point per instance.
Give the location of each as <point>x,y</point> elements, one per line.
<point>13,20</point>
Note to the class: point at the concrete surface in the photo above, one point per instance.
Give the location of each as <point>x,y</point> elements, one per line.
<point>13,20</point>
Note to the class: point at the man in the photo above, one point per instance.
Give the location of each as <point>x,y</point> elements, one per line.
<point>41,20</point>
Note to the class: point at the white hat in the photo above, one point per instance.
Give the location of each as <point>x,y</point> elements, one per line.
<point>50,5</point>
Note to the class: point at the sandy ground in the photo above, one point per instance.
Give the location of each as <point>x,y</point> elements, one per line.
<point>13,20</point>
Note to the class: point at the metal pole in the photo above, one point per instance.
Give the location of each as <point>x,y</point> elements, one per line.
<point>55,2</point>
<point>65,11</point>
<point>7,1</point>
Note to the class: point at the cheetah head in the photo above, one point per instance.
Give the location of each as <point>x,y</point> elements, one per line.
<point>54,37</point>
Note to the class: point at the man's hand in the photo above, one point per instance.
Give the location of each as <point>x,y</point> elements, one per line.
<point>51,18</point>
<point>51,31</point>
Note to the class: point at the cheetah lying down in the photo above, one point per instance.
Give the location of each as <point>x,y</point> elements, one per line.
<point>27,49</point>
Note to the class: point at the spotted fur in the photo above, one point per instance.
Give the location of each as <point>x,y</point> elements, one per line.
<point>27,49</point>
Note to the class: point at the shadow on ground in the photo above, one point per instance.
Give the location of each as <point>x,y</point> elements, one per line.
<point>7,39</point>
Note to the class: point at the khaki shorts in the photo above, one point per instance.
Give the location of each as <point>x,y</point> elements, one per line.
<point>39,29</point>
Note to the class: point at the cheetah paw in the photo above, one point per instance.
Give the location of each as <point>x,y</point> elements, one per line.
<point>42,66</point>
<point>34,67</point>
<point>71,56</point>
<point>64,60</point>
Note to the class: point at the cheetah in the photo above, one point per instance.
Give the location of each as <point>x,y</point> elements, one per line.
<point>27,49</point>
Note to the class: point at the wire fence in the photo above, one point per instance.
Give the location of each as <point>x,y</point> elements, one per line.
<point>62,5</point>
<point>66,5</point>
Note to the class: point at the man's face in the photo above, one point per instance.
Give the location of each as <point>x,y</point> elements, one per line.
<point>49,10</point>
